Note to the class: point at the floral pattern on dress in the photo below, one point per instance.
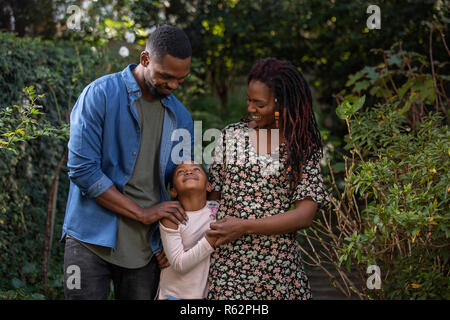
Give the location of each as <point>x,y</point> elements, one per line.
<point>253,187</point>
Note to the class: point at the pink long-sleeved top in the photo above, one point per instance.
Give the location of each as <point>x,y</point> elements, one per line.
<point>188,252</point>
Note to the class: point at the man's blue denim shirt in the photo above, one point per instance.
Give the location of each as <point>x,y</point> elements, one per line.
<point>103,147</point>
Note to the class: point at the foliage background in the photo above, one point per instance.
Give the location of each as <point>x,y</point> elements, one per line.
<point>328,40</point>
<point>393,212</point>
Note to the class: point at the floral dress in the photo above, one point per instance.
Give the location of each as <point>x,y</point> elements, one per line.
<point>253,187</point>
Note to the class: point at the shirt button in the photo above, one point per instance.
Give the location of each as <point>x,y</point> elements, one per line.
<point>126,177</point>
<point>134,153</point>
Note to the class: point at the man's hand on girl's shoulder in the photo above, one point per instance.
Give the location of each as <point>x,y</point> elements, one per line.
<point>169,224</point>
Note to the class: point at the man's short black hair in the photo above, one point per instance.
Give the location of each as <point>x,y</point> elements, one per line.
<point>168,40</point>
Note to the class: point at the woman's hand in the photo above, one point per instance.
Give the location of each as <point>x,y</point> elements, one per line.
<point>229,228</point>
<point>226,230</point>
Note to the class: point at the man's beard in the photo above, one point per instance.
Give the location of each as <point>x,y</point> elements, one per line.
<point>154,92</point>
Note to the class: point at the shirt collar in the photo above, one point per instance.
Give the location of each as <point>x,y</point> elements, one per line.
<point>130,81</point>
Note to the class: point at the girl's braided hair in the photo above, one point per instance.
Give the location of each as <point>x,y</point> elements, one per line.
<point>294,103</point>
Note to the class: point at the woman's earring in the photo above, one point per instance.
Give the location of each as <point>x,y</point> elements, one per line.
<point>277,116</point>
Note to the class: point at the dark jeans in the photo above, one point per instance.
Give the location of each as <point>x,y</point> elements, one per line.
<point>88,277</point>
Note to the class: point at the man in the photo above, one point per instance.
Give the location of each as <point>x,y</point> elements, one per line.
<point>119,165</point>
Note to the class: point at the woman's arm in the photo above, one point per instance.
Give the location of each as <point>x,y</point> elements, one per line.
<point>182,261</point>
<point>230,229</point>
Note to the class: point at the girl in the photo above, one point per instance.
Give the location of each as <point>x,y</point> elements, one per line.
<point>186,247</point>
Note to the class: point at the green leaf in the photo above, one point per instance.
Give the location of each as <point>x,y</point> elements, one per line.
<point>342,110</point>
<point>371,74</point>
<point>17,283</point>
<point>361,85</point>
<point>29,268</point>
<point>353,78</point>
<point>395,60</point>
<point>37,296</point>
<point>35,111</point>
<point>404,88</point>
<point>408,103</point>
<point>358,104</point>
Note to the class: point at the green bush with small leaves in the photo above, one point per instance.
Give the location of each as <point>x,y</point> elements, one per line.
<point>394,209</point>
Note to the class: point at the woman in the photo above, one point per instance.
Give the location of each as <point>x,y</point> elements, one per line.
<point>257,255</point>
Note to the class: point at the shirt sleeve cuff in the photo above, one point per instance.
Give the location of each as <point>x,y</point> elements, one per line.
<point>99,187</point>
<point>205,244</point>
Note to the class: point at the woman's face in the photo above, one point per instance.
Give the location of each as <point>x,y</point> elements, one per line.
<point>261,105</point>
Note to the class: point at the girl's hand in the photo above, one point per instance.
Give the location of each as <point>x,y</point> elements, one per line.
<point>162,259</point>
<point>227,230</point>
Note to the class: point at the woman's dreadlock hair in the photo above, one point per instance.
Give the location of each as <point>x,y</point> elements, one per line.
<point>294,103</point>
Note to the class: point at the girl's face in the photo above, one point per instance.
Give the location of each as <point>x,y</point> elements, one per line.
<point>261,105</point>
<point>189,176</point>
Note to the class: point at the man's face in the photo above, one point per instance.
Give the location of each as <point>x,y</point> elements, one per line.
<point>165,74</point>
<point>189,176</point>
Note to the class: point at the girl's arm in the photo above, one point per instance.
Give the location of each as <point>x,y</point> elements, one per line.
<point>183,261</point>
<point>230,229</point>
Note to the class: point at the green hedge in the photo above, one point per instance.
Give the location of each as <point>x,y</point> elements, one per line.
<point>60,69</point>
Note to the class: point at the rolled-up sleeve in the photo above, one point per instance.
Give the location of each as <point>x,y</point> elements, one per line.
<point>85,143</point>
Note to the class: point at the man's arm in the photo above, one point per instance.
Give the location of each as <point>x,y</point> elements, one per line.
<point>85,145</point>
<point>115,201</point>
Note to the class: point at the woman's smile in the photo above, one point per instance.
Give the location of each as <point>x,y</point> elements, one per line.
<point>256,117</point>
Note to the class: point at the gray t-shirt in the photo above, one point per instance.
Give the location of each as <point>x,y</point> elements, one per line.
<point>133,237</point>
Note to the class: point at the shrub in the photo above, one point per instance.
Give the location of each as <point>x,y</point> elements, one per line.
<point>19,124</point>
<point>61,69</point>
<point>393,211</point>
